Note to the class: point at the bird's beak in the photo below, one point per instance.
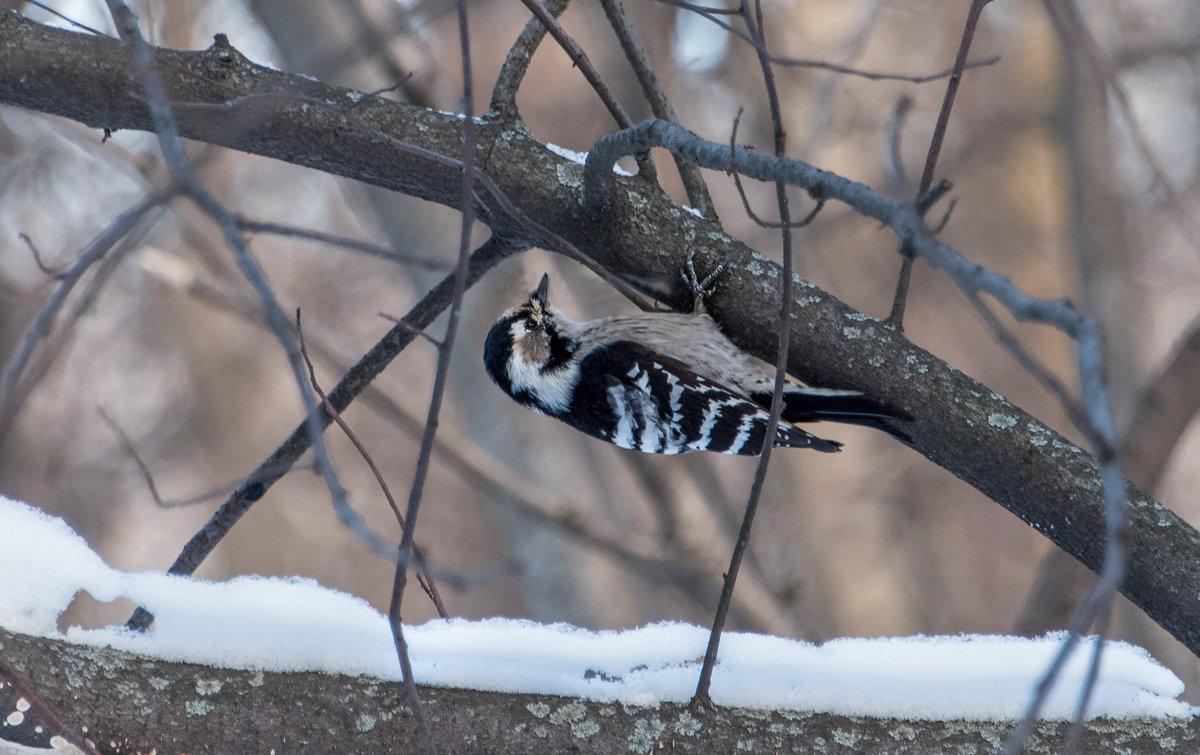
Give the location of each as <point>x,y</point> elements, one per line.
<point>543,289</point>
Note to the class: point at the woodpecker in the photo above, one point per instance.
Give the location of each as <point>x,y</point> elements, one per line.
<point>660,382</point>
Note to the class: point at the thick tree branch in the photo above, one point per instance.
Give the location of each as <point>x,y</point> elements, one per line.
<point>960,424</point>
<point>133,704</point>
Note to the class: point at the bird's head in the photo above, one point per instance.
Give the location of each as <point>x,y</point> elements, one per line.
<point>527,339</point>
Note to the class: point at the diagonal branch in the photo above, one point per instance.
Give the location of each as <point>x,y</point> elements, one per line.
<point>896,317</point>
<point>11,395</point>
<point>347,389</point>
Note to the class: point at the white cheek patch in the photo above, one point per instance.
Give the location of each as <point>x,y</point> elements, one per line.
<point>553,389</point>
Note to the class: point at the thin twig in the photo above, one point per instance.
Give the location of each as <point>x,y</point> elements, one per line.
<point>1032,365</point>
<point>182,171</point>
<point>580,60</point>
<point>439,380</point>
<point>374,250</point>
<point>374,43</point>
<point>660,104</point>
<point>128,446</point>
<point>900,183</point>
<point>516,64</point>
<point>702,697</point>
<point>426,581</point>
<point>900,300</point>
<point>37,258</point>
<point>57,341</point>
<point>124,225</point>
<point>1089,683</point>
<point>419,333</point>
<point>941,224</point>
<point>712,13</point>
<point>68,19</point>
<point>741,190</point>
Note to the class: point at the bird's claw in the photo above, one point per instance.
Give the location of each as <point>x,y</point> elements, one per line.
<point>701,289</point>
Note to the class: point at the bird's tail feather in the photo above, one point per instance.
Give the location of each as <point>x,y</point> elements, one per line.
<point>848,407</point>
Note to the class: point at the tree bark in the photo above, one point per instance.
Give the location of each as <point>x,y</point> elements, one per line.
<point>961,425</point>
<point>125,703</point>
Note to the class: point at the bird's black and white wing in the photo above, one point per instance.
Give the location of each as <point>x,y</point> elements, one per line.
<point>638,399</point>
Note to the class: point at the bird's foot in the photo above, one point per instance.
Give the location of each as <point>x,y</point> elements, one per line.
<point>700,288</point>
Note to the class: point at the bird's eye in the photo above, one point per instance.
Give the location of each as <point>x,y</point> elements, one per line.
<point>530,325</point>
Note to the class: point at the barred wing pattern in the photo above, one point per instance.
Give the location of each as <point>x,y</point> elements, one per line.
<point>640,400</point>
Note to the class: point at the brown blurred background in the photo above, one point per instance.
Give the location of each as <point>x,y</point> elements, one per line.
<point>1053,190</point>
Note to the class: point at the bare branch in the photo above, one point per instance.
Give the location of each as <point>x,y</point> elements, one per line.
<point>374,250</point>
<point>896,318</point>
<point>712,15</point>
<point>737,182</point>
<point>580,60</point>
<point>900,184</point>
<point>439,381</point>
<point>120,228</point>
<point>426,581</point>
<point>660,105</point>
<point>512,73</point>
<point>347,389</point>
<point>754,23</point>
<point>37,258</point>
